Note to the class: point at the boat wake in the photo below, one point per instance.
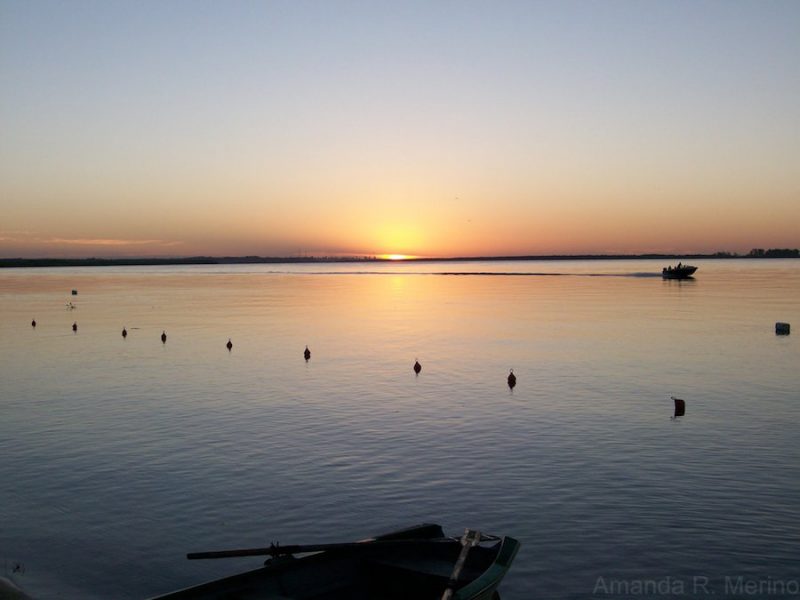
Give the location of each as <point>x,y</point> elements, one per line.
<point>469,273</point>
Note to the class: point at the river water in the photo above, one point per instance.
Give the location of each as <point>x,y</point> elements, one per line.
<point>118,456</point>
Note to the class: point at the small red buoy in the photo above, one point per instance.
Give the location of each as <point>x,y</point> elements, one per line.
<point>512,379</point>
<point>229,345</point>
<point>417,367</point>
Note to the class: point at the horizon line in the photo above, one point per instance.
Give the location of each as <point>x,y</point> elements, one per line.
<point>254,259</point>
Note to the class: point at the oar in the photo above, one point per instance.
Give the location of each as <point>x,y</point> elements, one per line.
<point>471,538</point>
<point>276,549</point>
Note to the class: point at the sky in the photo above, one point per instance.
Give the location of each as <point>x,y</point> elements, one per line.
<point>435,128</point>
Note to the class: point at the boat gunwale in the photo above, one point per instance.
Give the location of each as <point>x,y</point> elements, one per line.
<point>493,575</point>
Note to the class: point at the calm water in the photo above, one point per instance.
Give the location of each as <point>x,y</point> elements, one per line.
<point>117,456</point>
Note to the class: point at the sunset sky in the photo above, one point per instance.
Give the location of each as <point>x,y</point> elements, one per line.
<point>434,128</point>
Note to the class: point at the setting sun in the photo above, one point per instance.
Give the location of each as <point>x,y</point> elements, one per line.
<point>396,256</point>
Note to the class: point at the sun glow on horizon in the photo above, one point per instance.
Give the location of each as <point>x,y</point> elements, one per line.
<point>396,256</point>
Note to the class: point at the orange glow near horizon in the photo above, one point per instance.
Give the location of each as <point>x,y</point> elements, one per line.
<point>396,256</point>
<point>539,218</point>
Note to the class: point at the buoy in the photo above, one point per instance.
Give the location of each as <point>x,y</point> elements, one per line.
<point>229,345</point>
<point>782,328</point>
<point>124,332</point>
<point>417,367</point>
<point>163,337</point>
<point>74,292</point>
<point>307,354</point>
<point>33,323</point>
<point>680,407</point>
<point>512,379</point>
<point>75,326</point>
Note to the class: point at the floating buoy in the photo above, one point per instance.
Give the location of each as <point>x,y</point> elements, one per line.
<point>75,326</point>
<point>74,292</point>
<point>124,332</point>
<point>417,367</point>
<point>680,407</point>
<point>782,328</point>
<point>229,345</point>
<point>163,337</point>
<point>307,353</point>
<point>512,379</point>
<point>33,323</point>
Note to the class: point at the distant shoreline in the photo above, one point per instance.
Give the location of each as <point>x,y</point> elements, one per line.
<point>11,263</point>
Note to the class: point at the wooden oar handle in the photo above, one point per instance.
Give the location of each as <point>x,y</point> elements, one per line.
<point>276,549</point>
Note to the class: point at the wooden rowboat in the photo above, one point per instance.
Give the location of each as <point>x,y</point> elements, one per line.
<point>417,563</point>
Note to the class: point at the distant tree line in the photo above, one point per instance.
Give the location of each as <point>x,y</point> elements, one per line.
<point>209,260</point>
<point>774,253</point>
<point>103,262</point>
<point>191,260</point>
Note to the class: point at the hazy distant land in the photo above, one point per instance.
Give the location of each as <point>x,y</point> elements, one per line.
<point>756,253</point>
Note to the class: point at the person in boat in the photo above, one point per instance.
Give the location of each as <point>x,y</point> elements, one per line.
<point>679,266</point>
